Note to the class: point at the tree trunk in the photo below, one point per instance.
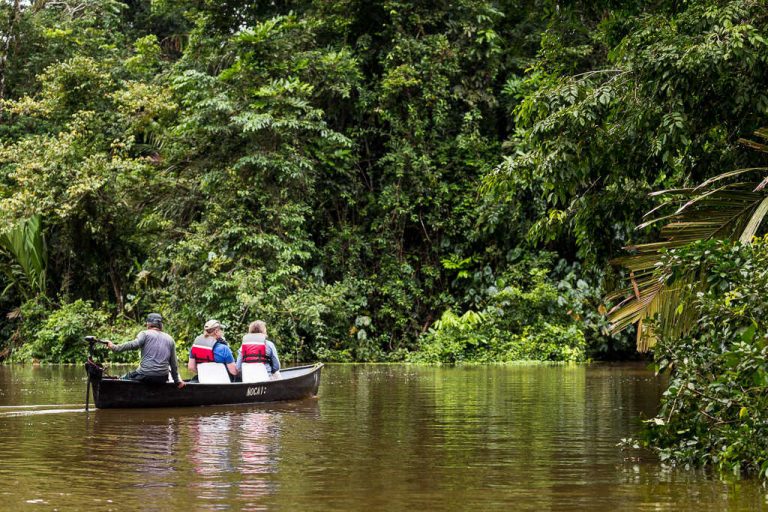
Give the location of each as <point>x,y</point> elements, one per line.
<point>117,289</point>
<point>9,37</point>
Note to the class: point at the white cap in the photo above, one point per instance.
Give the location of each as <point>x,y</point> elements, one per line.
<point>211,325</point>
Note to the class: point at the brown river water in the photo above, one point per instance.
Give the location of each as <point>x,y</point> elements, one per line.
<point>378,437</point>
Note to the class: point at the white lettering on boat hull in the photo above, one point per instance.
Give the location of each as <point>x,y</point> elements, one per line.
<point>256,391</point>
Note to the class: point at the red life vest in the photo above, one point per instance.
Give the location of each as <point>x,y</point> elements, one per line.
<point>202,349</point>
<point>254,348</point>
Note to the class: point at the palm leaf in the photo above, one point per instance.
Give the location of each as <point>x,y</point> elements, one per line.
<point>728,174</point>
<point>655,300</point>
<point>754,222</point>
<point>25,242</point>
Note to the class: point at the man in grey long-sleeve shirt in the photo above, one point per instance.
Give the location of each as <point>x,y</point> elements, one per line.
<point>158,353</point>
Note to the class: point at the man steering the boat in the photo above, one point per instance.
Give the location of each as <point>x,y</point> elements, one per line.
<point>158,354</point>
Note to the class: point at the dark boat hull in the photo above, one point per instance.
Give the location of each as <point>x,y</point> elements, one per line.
<point>295,384</point>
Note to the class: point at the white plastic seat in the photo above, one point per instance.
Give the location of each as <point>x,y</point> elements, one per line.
<point>212,373</point>
<point>254,372</point>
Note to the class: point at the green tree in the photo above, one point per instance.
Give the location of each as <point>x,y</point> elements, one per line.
<point>664,106</point>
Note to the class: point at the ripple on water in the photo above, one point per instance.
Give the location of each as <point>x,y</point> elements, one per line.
<point>382,437</point>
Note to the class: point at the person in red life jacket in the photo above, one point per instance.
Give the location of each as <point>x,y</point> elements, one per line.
<point>256,348</point>
<point>210,347</point>
<point>158,354</point>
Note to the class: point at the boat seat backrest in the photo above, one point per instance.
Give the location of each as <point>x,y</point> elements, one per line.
<point>255,372</point>
<point>212,373</point>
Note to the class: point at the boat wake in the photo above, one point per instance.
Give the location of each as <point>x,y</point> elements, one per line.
<point>36,410</point>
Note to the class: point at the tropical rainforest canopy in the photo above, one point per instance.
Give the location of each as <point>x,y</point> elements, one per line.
<point>390,180</point>
<point>443,181</point>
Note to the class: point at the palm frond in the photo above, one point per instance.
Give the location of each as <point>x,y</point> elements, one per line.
<point>758,146</point>
<point>727,175</point>
<point>25,242</point>
<point>754,222</point>
<point>655,300</point>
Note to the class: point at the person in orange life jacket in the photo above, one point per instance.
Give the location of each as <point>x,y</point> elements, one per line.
<point>158,354</point>
<point>210,347</point>
<point>256,348</point>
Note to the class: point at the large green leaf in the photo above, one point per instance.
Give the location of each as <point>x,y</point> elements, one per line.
<point>25,242</point>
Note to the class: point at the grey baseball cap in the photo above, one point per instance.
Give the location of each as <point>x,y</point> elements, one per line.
<point>155,319</point>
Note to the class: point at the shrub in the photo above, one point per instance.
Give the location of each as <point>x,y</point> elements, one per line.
<point>515,324</point>
<point>715,411</point>
<point>60,337</point>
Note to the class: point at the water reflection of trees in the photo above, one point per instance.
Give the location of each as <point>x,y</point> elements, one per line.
<point>143,441</point>
<point>431,433</point>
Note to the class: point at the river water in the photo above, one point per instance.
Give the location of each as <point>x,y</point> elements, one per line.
<point>378,437</point>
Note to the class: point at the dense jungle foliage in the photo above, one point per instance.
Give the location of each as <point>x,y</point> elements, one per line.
<point>715,408</point>
<point>384,181</point>
<point>371,178</point>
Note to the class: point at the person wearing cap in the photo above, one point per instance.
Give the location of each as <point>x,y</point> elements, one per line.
<point>158,354</point>
<point>210,347</point>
